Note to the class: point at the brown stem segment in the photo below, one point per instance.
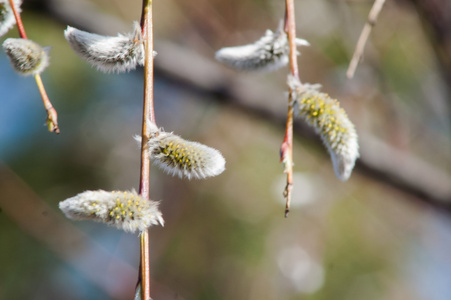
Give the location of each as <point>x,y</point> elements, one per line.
<point>286,153</point>
<point>148,117</point>
<point>290,25</point>
<point>52,116</point>
<point>286,150</point>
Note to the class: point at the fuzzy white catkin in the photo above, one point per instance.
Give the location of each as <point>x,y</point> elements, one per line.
<point>124,210</point>
<point>108,53</point>
<point>183,158</point>
<point>331,122</point>
<point>26,56</point>
<point>269,53</point>
<point>7,19</point>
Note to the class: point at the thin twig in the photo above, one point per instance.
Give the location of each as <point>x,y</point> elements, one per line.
<point>286,150</point>
<point>52,116</point>
<point>358,52</point>
<point>148,116</point>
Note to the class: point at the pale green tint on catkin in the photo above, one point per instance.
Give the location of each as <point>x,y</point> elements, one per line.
<point>321,112</point>
<point>331,122</point>
<point>122,209</point>
<point>185,158</point>
<point>181,155</point>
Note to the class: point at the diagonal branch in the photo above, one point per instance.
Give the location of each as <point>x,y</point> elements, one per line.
<point>52,116</point>
<point>358,52</point>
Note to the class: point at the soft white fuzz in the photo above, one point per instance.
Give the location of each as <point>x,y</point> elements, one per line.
<point>183,158</point>
<point>269,53</point>
<point>331,122</point>
<point>7,19</point>
<point>26,56</point>
<point>108,53</point>
<point>127,211</point>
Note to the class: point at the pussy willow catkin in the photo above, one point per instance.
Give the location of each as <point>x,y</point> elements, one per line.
<point>183,158</point>
<point>267,54</point>
<point>125,210</point>
<point>331,122</point>
<point>108,53</point>
<point>26,56</point>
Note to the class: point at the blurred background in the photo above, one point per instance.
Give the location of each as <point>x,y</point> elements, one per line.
<point>383,234</point>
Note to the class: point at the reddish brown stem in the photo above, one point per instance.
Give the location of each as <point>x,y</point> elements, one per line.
<point>148,116</point>
<point>19,23</point>
<point>286,149</point>
<point>290,25</point>
<point>52,116</point>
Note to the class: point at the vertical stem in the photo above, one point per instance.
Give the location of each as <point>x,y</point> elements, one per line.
<point>287,156</point>
<point>148,116</point>
<point>291,31</point>
<point>287,145</point>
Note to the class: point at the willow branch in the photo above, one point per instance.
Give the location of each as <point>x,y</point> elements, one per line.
<point>52,116</point>
<point>358,52</point>
<point>148,117</point>
<point>286,150</point>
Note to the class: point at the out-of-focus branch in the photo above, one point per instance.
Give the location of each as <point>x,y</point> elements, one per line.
<point>431,187</point>
<point>358,52</point>
<point>70,244</point>
<point>378,160</point>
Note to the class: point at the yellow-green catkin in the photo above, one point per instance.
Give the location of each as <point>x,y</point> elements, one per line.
<point>182,157</point>
<point>331,122</point>
<point>125,210</point>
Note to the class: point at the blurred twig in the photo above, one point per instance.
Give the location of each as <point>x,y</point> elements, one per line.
<point>384,164</point>
<point>57,234</point>
<point>372,18</point>
<point>208,77</point>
